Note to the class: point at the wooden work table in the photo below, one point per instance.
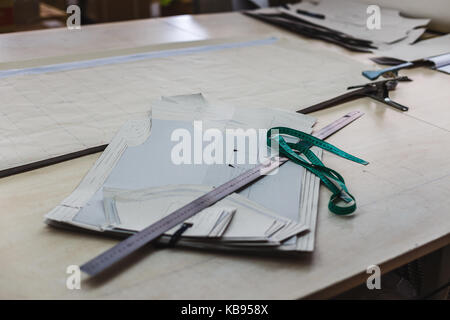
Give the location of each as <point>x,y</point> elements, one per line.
<point>403,195</point>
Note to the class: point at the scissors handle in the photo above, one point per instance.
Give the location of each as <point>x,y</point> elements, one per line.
<point>374,74</point>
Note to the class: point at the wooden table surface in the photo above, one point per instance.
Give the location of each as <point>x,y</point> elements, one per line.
<point>403,195</point>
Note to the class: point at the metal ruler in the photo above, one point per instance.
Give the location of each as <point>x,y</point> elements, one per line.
<point>138,240</point>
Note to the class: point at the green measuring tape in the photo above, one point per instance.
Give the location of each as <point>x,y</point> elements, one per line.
<point>330,178</point>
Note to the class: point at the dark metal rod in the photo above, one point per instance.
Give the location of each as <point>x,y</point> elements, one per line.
<point>51,161</point>
<point>346,97</point>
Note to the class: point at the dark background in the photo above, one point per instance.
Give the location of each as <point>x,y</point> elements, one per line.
<point>24,15</point>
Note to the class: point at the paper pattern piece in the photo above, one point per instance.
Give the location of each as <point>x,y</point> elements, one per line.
<point>143,162</point>
<point>350,17</point>
<point>50,114</point>
<point>136,210</point>
<point>232,219</point>
<point>423,49</point>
